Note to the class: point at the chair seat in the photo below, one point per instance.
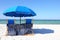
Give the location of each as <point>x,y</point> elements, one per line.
<point>11,33</point>
<point>29,25</point>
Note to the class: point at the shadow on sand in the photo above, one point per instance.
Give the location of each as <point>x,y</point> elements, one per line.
<point>43,31</point>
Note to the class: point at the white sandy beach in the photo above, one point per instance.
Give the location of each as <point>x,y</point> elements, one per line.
<point>51,36</point>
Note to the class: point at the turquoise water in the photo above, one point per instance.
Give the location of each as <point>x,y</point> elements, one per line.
<point>33,21</point>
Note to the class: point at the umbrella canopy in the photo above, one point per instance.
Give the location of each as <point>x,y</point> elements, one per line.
<point>19,11</point>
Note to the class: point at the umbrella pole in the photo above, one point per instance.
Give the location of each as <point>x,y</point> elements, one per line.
<point>20,20</point>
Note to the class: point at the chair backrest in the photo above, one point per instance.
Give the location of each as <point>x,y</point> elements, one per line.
<point>10,21</point>
<point>28,21</point>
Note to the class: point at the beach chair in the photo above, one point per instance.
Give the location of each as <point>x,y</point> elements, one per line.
<point>29,26</point>
<point>10,27</point>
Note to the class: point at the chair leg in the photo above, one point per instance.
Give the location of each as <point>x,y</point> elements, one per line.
<point>29,31</point>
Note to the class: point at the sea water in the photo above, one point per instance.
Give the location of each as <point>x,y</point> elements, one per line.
<point>4,21</point>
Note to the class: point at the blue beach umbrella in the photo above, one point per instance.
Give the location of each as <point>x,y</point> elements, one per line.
<point>19,11</point>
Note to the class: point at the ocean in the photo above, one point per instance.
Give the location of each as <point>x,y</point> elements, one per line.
<point>4,21</point>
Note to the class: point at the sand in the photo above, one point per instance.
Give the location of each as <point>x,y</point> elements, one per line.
<point>50,36</point>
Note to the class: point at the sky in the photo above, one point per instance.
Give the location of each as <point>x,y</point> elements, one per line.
<point>44,9</point>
